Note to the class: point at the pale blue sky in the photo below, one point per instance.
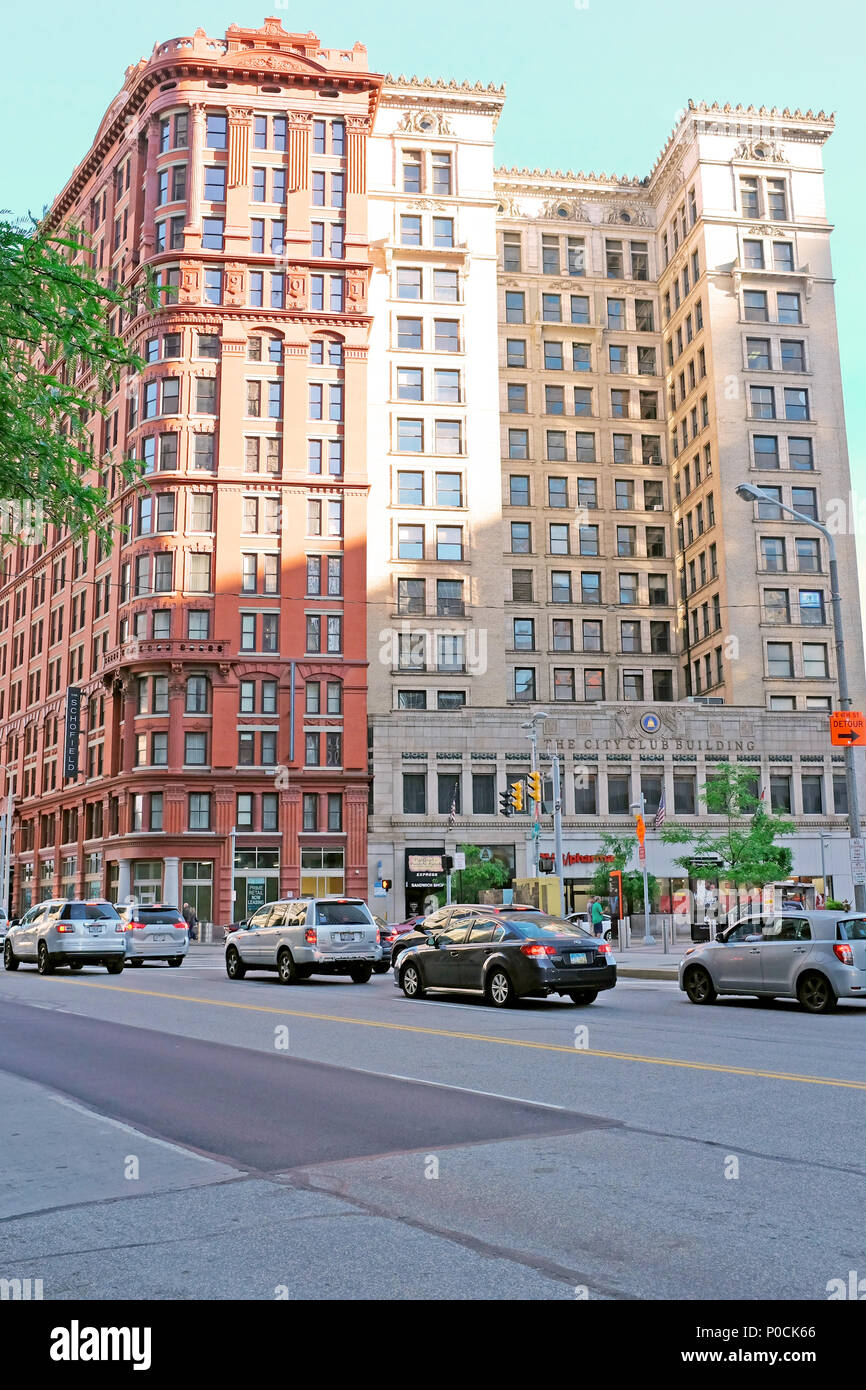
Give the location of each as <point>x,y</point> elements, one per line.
<point>594,88</point>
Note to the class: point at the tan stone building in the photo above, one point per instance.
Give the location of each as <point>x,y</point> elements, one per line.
<point>660,340</point>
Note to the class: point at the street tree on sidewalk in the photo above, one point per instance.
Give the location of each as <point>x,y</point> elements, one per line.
<point>621,848</point>
<point>480,874</point>
<point>58,354</point>
<point>745,848</point>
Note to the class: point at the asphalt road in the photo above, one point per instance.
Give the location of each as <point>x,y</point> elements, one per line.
<point>172,1134</point>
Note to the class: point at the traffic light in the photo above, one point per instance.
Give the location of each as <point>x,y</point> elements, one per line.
<point>387,884</point>
<point>447,863</point>
<point>505,803</point>
<point>517,796</point>
<point>533,786</point>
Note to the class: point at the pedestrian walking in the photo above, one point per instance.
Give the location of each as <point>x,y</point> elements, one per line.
<point>596,913</point>
<point>189,916</point>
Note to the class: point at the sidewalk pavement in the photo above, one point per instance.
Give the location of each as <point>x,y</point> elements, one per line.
<point>642,962</point>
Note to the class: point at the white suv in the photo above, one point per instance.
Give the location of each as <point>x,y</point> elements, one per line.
<point>67,932</point>
<point>300,937</point>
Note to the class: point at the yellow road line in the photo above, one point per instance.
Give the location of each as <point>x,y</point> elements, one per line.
<point>484,1038</point>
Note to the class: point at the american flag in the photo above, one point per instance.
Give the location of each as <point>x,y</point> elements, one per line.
<point>660,813</point>
<point>452,818</point>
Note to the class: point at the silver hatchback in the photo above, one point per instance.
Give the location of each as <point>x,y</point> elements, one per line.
<point>817,958</point>
<point>67,932</point>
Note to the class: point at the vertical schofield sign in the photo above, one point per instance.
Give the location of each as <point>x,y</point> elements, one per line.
<point>73,729</point>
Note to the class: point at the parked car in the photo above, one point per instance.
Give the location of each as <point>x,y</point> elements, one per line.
<point>300,937</point>
<point>447,916</point>
<point>4,925</point>
<point>64,931</point>
<point>815,957</point>
<point>509,956</point>
<point>584,919</point>
<point>154,931</point>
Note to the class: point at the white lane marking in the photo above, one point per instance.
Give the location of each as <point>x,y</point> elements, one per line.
<point>470,1090</point>
<point>139,1134</point>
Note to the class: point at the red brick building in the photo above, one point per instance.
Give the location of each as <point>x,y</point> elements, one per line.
<point>220,646</point>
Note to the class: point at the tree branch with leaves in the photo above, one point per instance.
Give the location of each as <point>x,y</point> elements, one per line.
<point>58,355</point>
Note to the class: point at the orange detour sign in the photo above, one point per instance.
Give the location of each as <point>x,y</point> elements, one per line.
<point>847,727</point>
<point>640,827</point>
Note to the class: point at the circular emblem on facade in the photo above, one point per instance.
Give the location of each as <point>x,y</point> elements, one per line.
<point>650,723</point>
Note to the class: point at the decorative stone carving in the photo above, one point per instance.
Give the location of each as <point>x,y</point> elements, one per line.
<point>356,292</point>
<point>631,216</point>
<point>769,150</point>
<point>234,285</point>
<point>567,209</point>
<point>296,290</point>
<point>426,123</point>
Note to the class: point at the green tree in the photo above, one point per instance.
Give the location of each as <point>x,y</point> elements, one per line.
<point>622,847</point>
<point>480,874</point>
<point>745,847</point>
<point>58,354</point>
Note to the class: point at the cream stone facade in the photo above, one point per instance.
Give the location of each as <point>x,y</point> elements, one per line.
<point>660,341</point>
<point>435,583</point>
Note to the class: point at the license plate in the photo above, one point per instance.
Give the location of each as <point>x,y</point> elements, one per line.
<point>348,936</point>
<point>160,938</point>
<point>95,931</point>
<point>578,958</point>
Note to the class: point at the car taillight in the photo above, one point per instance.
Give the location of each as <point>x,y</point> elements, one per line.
<point>604,948</point>
<point>137,926</point>
<point>310,936</point>
<point>65,926</point>
<point>537,948</point>
<point>378,935</point>
<point>180,925</point>
<point>843,950</point>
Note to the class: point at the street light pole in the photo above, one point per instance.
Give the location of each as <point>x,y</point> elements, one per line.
<point>6,845</point>
<point>747,492</point>
<point>557,826</point>
<point>638,810</point>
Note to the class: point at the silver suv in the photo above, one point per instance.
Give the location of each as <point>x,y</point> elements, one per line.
<point>815,957</point>
<point>300,937</point>
<point>67,932</point>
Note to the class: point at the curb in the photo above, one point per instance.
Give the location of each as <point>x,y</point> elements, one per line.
<point>641,972</point>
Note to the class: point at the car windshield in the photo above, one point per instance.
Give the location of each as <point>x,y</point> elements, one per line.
<point>157,915</point>
<point>89,912</point>
<point>338,914</point>
<point>540,924</point>
<point>854,928</point>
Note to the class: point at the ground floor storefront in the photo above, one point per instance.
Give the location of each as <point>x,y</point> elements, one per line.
<point>438,780</point>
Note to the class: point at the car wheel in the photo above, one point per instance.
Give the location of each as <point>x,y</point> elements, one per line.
<point>583,996</point>
<point>9,960</point>
<point>499,991</point>
<point>410,982</point>
<point>815,993</point>
<point>361,974</point>
<point>175,961</point>
<point>235,968</point>
<point>115,967</point>
<point>699,986</point>
<point>43,960</point>
<point>76,965</point>
<point>608,936</point>
<point>286,972</point>
<point>381,967</point>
